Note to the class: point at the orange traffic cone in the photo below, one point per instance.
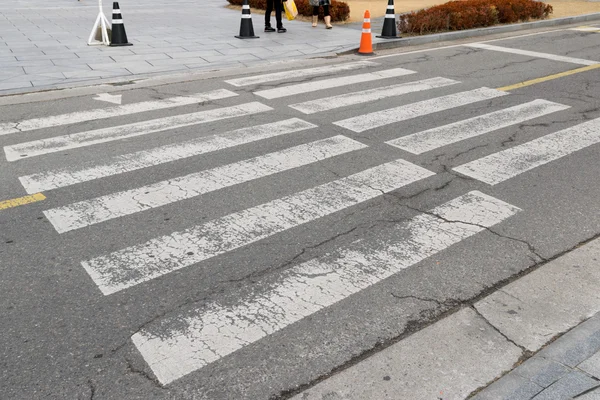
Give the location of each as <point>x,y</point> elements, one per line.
<point>366,46</point>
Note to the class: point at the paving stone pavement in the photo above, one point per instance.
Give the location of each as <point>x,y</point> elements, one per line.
<point>44,44</point>
<point>568,368</point>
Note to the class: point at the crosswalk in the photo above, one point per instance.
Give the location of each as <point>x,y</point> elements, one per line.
<point>104,135</point>
<point>68,176</point>
<point>216,330</point>
<point>441,136</point>
<point>85,213</point>
<point>104,113</point>
<point>509,163</point>
<point>378,119</point>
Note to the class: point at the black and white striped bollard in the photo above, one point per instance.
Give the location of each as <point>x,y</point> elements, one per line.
<point>246,28</point>
<point>119,37</point>
<point>389,23</point>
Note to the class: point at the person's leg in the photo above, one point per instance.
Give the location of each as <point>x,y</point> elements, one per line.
<point>327,17</point>
<point>268,14</point>
<point>315,16</point>
<point>278,11</point>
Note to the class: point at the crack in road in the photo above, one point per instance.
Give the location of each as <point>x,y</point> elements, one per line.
<point>524,352</point>
<point>92,389</point>
<point>267,271</point>
<point>445,303</point>
<point>142,373</point>
<point>530,247</point>
<point>413,326</point>
<point>286,82</point>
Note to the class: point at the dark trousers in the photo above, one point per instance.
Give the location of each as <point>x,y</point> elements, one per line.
<point>325,10</point>
<point>278,10</point>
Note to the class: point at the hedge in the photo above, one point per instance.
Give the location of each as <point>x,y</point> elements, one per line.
<point>468,14</point>
<point>339,10</point>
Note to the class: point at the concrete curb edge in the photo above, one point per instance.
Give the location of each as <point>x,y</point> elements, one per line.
<point>448,36</point>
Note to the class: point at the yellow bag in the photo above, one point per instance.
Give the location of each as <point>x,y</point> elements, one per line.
<point>290,9</point>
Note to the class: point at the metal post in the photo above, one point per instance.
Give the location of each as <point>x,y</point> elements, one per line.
<point>103,24</point>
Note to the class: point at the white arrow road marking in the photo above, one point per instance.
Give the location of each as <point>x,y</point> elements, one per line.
<point>110,112</point>
<point>189,341</point>
<point>160,256</point>
<point>115,99</point>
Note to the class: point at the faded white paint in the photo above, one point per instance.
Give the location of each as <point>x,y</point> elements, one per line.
<point>60,143</point>
<point>377,119</point>
<point>365,96</point>
<point>160,256</point>
<point>534,54</point>
<point>309,87</point>
<point>115,205</point>
<point>185,343</point>
<point>587,29</point>
<point>300,73</point>
<point>49,180</point>
<point>431,139</point>
<point>127,109</point>
<point>509,163</point>
<point>109,98</point>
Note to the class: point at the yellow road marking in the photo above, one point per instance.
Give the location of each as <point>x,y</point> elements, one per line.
<point>21,201</point>
<point>549,78</point>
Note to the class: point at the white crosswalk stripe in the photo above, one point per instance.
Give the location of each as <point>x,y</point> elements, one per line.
<point>378,119</point>
<point>594,29</point>
<point>191,341</point>
<point>344,100</point>
<point>309,87</point>
<point>300,73</point>
<point>509,163</point>
<point>533,54</point>
<point>100,209</point>
<point>126,109</point>
<point>432,139</point>
<point>63,177</point>
<point>163,255</point>
<point>59,143</point>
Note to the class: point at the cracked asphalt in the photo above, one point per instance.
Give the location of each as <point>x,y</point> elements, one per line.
<point>62,338</point>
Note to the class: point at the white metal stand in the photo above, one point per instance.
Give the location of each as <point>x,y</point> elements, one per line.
<point>102,23</point>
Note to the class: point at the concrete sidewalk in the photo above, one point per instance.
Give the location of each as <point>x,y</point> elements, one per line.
<point>44,44</point>
<point>568,368</point>
<point>517,329</point>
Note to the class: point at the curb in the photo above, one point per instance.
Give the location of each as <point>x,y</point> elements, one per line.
<point>138,81</point>
<point>540,332</point>
<point>448,36</point>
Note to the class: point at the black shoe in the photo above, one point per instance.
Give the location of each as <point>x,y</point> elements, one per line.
<point>269,29</point>
<point>281,29</point>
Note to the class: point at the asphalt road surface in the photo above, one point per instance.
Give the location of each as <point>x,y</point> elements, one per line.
<point>244,236</point>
